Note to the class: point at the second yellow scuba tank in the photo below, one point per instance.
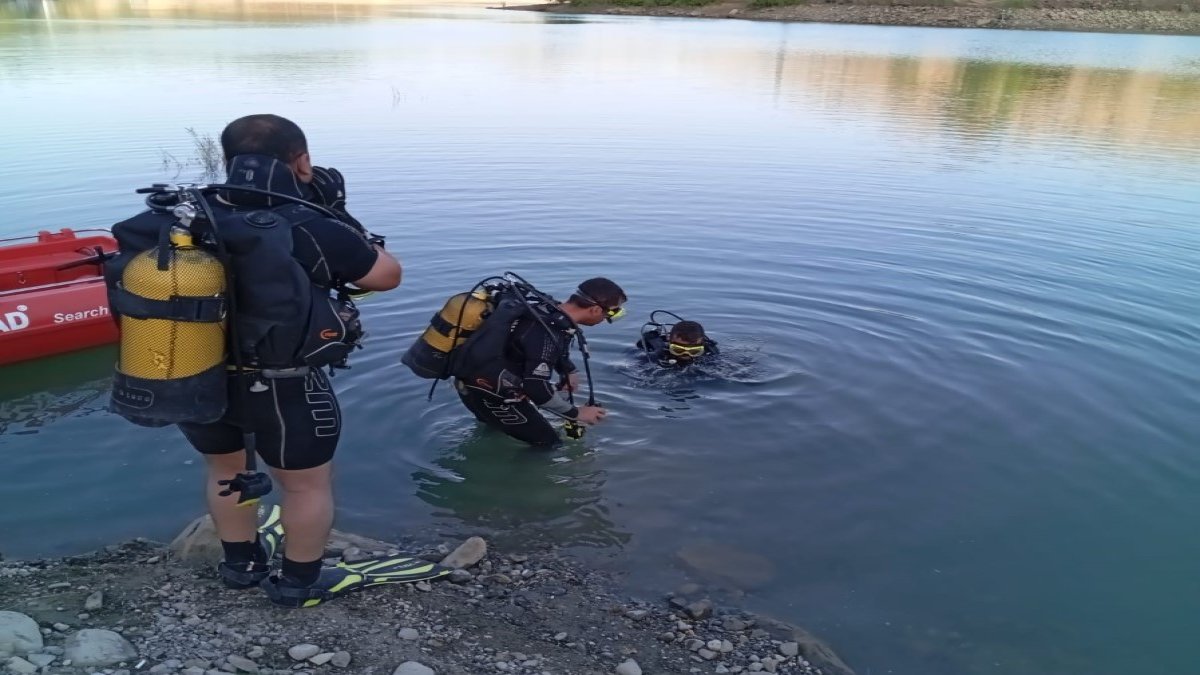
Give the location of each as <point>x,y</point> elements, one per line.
<point>171,303</point>
<point>429,356</point>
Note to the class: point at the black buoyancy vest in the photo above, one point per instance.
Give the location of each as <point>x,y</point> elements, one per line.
<point>490,348</point>
<point>282,313</point>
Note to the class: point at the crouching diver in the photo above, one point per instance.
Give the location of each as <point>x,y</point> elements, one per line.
<point>674,345</point>
<point>504,344</point>
<point>232,302</point>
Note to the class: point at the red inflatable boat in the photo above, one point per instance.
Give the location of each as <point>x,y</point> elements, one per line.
<point>52,294</point>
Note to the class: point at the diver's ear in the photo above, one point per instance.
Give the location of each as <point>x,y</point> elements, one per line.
<point>302,167</point>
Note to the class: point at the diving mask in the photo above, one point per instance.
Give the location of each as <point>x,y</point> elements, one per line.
<point>691,351</point>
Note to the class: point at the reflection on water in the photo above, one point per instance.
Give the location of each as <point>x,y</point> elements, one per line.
<point>973,99</point>
<point>1030,97</point>
<point>258,10</point>
<point>35,395</point>
<point>494,483</point>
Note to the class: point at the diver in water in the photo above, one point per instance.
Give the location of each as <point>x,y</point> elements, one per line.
<point>506,392</point>
<point>675,345</point>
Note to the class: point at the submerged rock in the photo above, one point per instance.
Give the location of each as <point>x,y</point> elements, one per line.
<point>724,563</point>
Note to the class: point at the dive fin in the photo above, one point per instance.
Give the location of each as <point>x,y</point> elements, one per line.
<point>396,570</point>
<point>338,580</point>
<point>270,533</point>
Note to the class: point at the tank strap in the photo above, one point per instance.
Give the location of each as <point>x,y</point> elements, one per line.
<point>446,328</point>
<point>197,309</point>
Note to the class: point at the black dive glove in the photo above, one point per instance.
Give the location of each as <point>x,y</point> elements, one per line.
<point>329,190</point>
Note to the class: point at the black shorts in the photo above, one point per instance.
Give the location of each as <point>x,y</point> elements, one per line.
<point>296,421</point>
<point>520,420</point>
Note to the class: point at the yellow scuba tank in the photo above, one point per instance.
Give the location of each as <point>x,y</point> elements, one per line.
<point>429,355</point>
<point>172,347</point>
<point>166,349</point>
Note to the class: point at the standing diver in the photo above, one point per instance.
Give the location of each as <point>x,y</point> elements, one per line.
<point>504,342</point>
<point>278,311</point>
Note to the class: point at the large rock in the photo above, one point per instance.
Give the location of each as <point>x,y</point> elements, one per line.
<point>20,666</point>
<point>413,668</point>
<point>796,639</point>
<point>467,554</point>
<point>93,647</point>
<point>198,543</point>
<point>19,635</point>
<point>818,653</point>
<point>726,564</point>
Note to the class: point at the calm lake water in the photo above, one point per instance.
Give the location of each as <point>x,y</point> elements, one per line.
<point>955,273</point>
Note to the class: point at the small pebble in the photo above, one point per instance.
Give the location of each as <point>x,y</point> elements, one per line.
<point>629,667</point>
<point>560,637</point>
<point>409,634</point>
<point>341,659</point>
<point>789,649</point>
<point>707,654</point>
<point>424,586</point>
<point>303,652</point>
<point>321,659</point>
<point>61,584</point>
<point>242,664</point>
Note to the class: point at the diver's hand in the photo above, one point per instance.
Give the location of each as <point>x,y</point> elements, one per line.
<point>590,414</point>
<point>570,383</point>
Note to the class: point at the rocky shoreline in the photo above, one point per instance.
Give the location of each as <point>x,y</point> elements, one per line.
<point>1014,15</point>
<point>143,607</point>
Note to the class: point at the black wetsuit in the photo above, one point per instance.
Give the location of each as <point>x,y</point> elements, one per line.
<point>296,421</point>
<point>506,395</point>
<point>654,345</point>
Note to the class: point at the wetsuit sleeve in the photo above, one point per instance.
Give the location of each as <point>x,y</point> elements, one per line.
<point>333,251</point>
<point>543,356</point>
